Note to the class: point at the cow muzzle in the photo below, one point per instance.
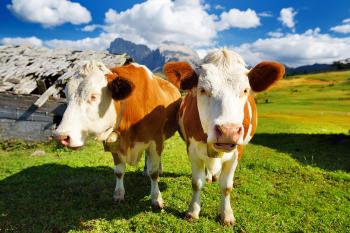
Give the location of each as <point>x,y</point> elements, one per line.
<point>65,140</point>
<point>227,137</point>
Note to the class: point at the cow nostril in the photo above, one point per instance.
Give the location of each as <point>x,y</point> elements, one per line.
<point>218,130</point>
<point>63,139</point>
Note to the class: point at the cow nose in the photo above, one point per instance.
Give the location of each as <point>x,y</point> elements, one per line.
<point>228,132</point>
<point>64,139</point>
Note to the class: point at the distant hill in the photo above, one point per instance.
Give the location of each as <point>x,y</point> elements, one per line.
<point>343,64</point>
<point>154,59</point>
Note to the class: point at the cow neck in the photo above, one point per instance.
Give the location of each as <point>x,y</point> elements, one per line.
<point>122,105</point>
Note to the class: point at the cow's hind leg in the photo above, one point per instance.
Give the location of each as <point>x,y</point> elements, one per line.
<point>198,181</point>
<point>119,171</point>
<point>226,185</point>
<point>153,172</point>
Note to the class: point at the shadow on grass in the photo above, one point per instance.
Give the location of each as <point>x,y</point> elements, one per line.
<point>57,198</point>
<point>327,151</point>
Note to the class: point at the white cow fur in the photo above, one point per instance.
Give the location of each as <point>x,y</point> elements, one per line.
<point>223,77</point>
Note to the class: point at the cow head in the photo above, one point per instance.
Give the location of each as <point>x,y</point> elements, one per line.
<point>91,108</point>
<point>222,84</point>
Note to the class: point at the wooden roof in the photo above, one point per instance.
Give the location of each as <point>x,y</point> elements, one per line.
<point>27,70</point>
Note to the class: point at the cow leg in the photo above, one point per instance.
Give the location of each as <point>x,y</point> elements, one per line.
<point>153,172</point>
<point>198,181</point>
<point>226,185</point>
<point>119,171</point>
<point>145,166</point>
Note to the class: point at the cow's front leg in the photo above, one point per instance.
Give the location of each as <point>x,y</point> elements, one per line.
<point>198,181</point>
<point>226,185</point>
<point>153,172</point>
<point>119,171</point>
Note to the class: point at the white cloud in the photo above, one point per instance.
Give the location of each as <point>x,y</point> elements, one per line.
<point>344,28</point>
<point>287,17</point>
<point>265,14</point>
<point>276,34</point>
<point>219,7</point>
<point>238,19</point>
<point>297,49</point>
<point>91,27</point>
<point>50,12</point>
<point>155,21</point>
<point>346,20</point>
<point>31,41</point>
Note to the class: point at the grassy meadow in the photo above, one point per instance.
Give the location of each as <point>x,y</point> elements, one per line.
<point>294,175</point>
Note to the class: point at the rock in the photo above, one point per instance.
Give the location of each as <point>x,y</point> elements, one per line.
<point>38,153</point>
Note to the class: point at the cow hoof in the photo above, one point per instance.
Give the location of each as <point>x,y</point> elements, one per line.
<point>118,196</point>
<point>229,221</point>
<point>191,217</point>
<point>208,180</point>
<point>118,199</point>
<point>158,205</point>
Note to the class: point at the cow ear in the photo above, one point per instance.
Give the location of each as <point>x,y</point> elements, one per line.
<point>120,88</point>
<point>181,75</point>
<point>264,74</point>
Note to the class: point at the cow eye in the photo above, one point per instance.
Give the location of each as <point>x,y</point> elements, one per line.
<point>93,98</point>
<point>202,91</point>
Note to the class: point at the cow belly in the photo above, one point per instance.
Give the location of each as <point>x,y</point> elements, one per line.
<point>134,154</point>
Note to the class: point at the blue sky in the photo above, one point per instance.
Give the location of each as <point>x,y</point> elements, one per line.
<point>294,32</point>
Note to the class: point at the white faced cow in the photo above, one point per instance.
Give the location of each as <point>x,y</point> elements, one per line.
<point>218,116</point>
<point>129,108</point>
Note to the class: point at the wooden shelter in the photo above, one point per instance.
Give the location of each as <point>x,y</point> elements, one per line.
<point>32,81</point>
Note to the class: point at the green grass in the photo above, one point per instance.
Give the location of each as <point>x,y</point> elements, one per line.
<point>293,177</point>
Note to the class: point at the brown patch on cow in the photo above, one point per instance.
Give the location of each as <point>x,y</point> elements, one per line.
<point>240,149</point>
<point>181,75</point>
<point>116,158</point>
<point>119,175</point>
<point>195,186</point>
<point>150,110</point>
<point>227,191</point>
<point>189,116</point>
<point>247,120</point>
<point>154,176</point>
<point>263,75</point>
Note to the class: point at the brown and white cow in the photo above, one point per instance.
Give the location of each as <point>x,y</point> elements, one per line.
<point>218,116</point>
<point>130,109</point>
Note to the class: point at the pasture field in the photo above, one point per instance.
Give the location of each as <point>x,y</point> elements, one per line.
<point>294,175</point>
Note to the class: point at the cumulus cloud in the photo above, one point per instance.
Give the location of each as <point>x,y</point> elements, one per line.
<point>297,49</point>
<point>238,19</point>
<point>344,28</point>
<point>50,12</point>
<point>92,27</point>
<point>31,41</point>
<point>154,21</point>
<point>287,17</point>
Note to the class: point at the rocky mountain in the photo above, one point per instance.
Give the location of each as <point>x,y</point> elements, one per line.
<point>154,59</point>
